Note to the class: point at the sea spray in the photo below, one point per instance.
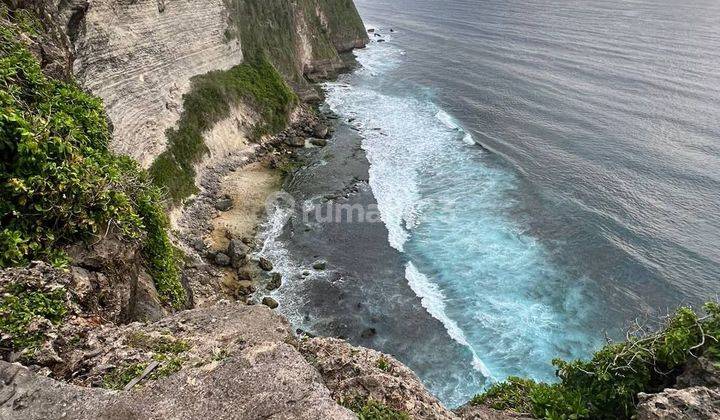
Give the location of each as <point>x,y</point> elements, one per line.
<point>445,206</point>
<point>434,301</point>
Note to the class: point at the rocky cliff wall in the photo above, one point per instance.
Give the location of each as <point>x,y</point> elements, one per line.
<point>139,56</point>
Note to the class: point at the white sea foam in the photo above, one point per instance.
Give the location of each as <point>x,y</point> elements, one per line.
<point>402,136</point>
<point>451,123</point>
<point>433,300</point>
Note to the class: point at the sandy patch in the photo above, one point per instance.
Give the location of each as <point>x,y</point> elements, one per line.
<point>248,187</point>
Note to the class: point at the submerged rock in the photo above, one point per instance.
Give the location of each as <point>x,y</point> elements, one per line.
<point>319,142</point>
<point>265,264</point>
<point>368,333</point>
<point>270,302</point>
<point>275,282</point>
<point>320,265</point>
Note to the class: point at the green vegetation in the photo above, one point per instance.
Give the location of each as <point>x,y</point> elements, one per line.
<point>121,376</point>
<point>169,364</point>
<point>164,344</point>
<point>368,409</point>
<point>607,385</point>
<point>262,26</point>
<point>383,364</point>
<point>346,24</point>
<point>166,350</point>
<point>59,182</point>
<point>255,82</point>
<point>20,305</point>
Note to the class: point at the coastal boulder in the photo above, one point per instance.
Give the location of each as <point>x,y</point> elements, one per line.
<point>318,142</point>
<point>237,251</point>
<point>270,302</point>
<point>224,204</point>
<point>265,264</point>
<point>275,282</point>
<point>295,141</point>
<point>321,131</point>
<point>222,259</point>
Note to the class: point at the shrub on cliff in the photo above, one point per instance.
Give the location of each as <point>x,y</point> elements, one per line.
<point>59,183</point>
<point>607,385</point>
<point>255,83</point>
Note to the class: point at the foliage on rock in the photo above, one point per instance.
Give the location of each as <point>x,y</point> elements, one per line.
<point>607,385</point>
<point>255,82</point>
<point>368,409</point>
<point>60,183</point>
<point>25,311</point>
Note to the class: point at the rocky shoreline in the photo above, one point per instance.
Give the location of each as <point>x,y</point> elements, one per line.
<point>242,357</point>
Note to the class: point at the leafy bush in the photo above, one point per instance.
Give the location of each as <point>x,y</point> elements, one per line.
<point>607,385</point>
<point>369,409</point>
<point>59,182</point>
<point>210,100</point>
<point>21,305</point>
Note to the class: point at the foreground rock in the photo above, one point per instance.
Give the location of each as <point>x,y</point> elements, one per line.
<point>696,403</point>
<point>358,373</point>
<point>261,375</point>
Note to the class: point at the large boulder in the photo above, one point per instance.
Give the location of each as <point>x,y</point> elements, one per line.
<point>237,251</point>
<point>260,375</point>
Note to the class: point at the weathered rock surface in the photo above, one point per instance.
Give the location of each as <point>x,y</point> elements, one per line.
<point>111,279</point>
<point>351,372</point>
<point>139,58</point>
<point>699,372</point>
<point>696,403</point>
<point>262,376</point>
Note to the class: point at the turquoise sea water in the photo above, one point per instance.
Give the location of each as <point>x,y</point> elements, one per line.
<point>546,173</point>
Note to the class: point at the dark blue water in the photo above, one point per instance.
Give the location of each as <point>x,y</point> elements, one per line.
<point>548,171</point>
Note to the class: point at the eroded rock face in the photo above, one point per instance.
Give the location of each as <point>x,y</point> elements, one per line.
<point>106,284</point>
<point>110,280</point>
<point>262,375</point>
<point>352,372</point>
<point>478,412</point>
<point>139,56</point>
<point>696,403</point>
<point>699,372</point>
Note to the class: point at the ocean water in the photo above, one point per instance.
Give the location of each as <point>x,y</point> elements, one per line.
<point>545,172</point>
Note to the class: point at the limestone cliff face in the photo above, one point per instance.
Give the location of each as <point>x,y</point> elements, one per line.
<point>139,56</point>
